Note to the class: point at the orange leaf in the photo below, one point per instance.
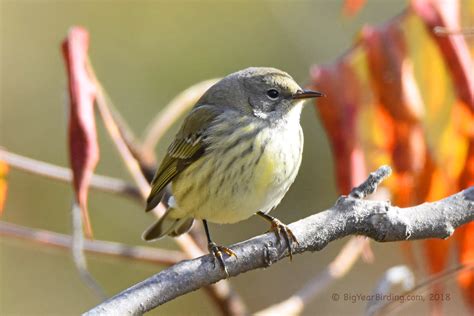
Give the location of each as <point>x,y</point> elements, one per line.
<point>3,185</point>
<point>83,148</point>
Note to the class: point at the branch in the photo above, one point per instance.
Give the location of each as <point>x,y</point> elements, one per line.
<point>349,216</point>
<point>101,247</point>
<point>103,183</point>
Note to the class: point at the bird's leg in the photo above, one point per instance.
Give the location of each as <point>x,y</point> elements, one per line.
<point>216,250</point>
<point>281,229</point>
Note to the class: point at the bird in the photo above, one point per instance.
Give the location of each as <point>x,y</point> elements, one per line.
<point>236,154</point>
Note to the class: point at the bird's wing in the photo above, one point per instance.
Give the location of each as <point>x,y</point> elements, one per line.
<point>187,147</point>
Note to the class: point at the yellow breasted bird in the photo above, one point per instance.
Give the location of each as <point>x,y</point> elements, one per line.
<point>235,155</point>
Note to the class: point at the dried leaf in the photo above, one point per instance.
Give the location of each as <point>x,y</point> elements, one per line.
<point>83,148</point>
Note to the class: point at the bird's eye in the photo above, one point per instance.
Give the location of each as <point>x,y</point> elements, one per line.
<point>273,94</point>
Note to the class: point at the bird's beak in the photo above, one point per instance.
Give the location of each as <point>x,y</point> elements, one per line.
<point>306,94</point>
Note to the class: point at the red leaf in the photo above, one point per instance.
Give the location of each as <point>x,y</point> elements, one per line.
<point>3,185</point>
<point>339,109</point>
<point>83,148</point>
<point>352,7</point>
<point>454,48</point>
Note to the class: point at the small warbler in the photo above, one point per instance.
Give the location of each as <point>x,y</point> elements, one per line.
<point>236,154</point>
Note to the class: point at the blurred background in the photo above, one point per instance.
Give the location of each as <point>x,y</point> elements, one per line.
<point>144,53</point>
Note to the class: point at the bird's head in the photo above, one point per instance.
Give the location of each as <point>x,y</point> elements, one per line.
<point>265,93</point>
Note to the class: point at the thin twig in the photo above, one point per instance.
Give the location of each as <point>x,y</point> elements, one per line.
<point>375,219</point>
<point>443,31</point>
<point>395,275</point>
<point>390,307</point>
<point>147,164</point>
<point>78,253</point>
<point>100,247</point>
<point>370,185</point>
<point>102,183</point>
<point>114,132</point>
<point>172,112</point>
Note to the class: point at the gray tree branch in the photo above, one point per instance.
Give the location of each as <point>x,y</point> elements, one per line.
<point>349,216</point>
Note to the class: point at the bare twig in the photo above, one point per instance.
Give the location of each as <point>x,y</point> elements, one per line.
<point>390,307</point>
<point>335,270</point>
<point>393,276</point>
<point>370,185</point>
<point>102,183</point>
<point>443,31</point>
<point>78,253</point>
<point>172,112</point>
<point>147,166</point>
<point>114,132</point>
<point>101,247</point>
<point>375,219</point>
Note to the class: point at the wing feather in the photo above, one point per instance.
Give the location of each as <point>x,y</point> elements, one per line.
<point>187,147</point>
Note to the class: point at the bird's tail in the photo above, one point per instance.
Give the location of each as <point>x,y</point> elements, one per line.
<point>168,226</point>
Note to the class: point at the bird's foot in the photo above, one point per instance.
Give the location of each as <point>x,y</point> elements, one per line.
<point>281,229</point>
<point>217,251</point>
